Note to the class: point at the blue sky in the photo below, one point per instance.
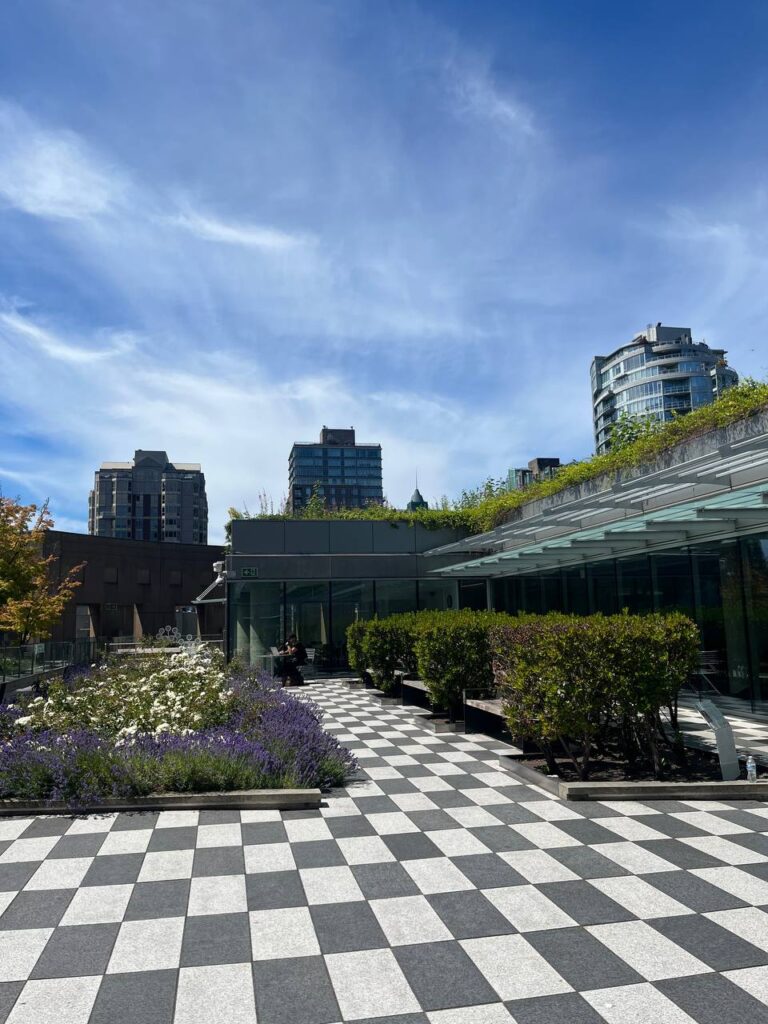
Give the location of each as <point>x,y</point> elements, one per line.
<point>223,225</point>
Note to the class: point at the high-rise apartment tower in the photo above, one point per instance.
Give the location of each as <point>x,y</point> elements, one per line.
<point>149,499</point>
<point>344,474</point>
<point>661,372</point>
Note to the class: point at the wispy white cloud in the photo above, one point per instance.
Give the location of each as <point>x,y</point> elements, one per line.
<point>250,236</point>
<point>475,94</point>
<point>52,344</point>
<point>51,173</point>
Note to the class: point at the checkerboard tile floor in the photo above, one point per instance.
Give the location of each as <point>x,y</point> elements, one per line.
<point>434,890</point>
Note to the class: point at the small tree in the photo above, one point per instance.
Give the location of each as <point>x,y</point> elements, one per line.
<point>31,602</point>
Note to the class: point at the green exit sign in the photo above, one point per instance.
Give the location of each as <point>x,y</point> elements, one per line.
<point>249,573</point>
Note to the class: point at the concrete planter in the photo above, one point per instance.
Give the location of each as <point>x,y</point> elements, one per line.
<point>242,800</point>
<point>647,790</point>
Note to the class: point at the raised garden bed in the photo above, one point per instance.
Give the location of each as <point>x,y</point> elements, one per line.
<point>702,783</point>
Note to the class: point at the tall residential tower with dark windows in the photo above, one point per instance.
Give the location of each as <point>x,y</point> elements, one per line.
<point>661,372</point>
<point>149,499</point>
<point>344,474</point>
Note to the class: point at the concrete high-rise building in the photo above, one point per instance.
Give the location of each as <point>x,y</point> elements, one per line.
<point>149,498</point>
<point>661,372</point>
<point>344,474</point>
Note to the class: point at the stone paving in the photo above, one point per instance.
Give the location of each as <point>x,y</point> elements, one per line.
<point>433,891</point>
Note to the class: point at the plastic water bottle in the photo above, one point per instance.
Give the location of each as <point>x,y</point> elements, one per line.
<point>751,769</point>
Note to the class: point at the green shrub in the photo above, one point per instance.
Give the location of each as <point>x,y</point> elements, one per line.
<point>453,654</point>
<point>387,647</point>
<point>568,680</point>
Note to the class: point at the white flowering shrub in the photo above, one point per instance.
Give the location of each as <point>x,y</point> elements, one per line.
<point>138,694</point>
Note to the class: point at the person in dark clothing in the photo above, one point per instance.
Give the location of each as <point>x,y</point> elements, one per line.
<point>294,655</point>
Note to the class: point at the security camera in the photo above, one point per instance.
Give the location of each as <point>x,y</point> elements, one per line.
<point>218,568</point>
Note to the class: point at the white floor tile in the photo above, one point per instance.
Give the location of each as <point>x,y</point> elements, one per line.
<point>65,873</point>
<point>749,924</point>
<point>20,950</point>
<point>538,866</point>
<point>276,934</point>
<point>725,850</point>
<point>486,797</point>
<point>370,984</point>
<point>473,817</point>
<point>630,807</point>
<point>177,819</point>
<point>709,823</point>
<point>221,993</point>
<point>514,968</point>
<point>340,807</point>
<point>147,945</point>
<point>306,830</point>
<point>392,823</point>
<point>258,817</point>
<point>738,883</point>
<point>365,850</point>
<point>27,850</point>
<point>166,865</point>
<point>430,784</point>
<point>436,874</point>
<point>551,810</point>
<point>528,909</point>
<point>330,885</point>
<point>649,952</point>
<point>633,858</point>
<point>268,857</point>
<point>456,842</point>
<point>409,919</point>
<point>490,1013</point>
<point>500,780</point>
<point>12,828</point>
<point>98,904</point>
<point>413,801</point>
<point>636,1004</point>
<point>56,1001</point>
<point>91,825</point>
<point>129,840</point>
<point>209,836</point>
<point>545,835</point>
<point>640,897</point>
<point>753,980</point>
<point>632,829</point>
<point>217,894</point>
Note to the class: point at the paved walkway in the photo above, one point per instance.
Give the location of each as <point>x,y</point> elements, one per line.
<point>434,892</point>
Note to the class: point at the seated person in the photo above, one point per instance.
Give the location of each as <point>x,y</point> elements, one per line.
<point>294,654</point>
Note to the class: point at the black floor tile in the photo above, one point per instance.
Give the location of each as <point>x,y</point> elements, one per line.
<point>715,946</point>
<point>584,903</point>
<point>487,870</point>
<point>584,962</point>
<point>74,951</point>
<point>294,991</point>
<point>693,892</point>
<point>9,992</point>
<point>411,846</point>
<point>143,997</point>
<point>345,927</point>
<point>78,846</point>
<point>183,838</point>
<point>216,939</point>
<point>379,881</point>
<point>158,899</point>
<point>469,915</point>
<point>32,909</point>
<point>256,833</point>
<point>218,860</point>
<point>570,1008</point>
<point>713,999</point>
<point>441,975</point>
<point>274,889</point>
<point>324,853</point>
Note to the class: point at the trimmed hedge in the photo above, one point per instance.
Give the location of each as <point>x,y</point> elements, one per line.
<point>449,651</point>
<point>576,683</point>
<point>582,682</point>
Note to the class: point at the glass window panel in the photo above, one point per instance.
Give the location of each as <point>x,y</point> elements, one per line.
<point>552,591</point>
<point>439,595</point>
<point>394,596</point>
<point>306,615</point>
<point>673,582</point>
<point>756,568</point>
<point>351,601</point>
<point>473,594</point>
<point>576,591</point>
<point>601,581</point>
<point>635,588</point>
<point>255,620</point>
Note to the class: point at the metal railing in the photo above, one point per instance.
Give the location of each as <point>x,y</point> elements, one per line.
<point>36,659</point>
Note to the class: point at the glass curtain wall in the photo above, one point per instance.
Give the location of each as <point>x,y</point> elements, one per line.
<point>723,586</point>
<point>262,613</point>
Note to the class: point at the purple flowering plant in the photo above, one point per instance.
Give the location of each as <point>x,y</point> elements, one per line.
<point>269,739</point>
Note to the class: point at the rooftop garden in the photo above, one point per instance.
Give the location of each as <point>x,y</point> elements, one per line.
<point>163,722</point>
<point>638,442</point>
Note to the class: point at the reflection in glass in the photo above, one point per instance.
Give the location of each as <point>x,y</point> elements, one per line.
<point>306,615</point>
<point>351,601</point>
<point>439,595</point>
<point>395,596</point>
